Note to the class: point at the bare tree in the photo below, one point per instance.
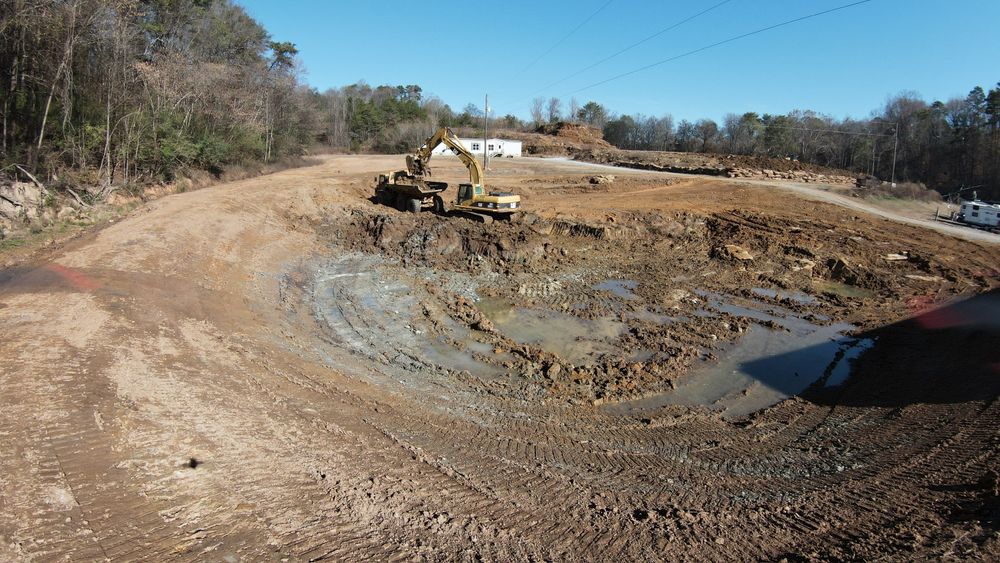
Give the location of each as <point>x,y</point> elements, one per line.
<point>554,109</point>
<point>708,130</point>
<point>574,110</point>
<point>537,111</point>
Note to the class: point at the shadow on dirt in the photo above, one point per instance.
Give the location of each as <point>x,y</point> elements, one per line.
<point>942,356</point>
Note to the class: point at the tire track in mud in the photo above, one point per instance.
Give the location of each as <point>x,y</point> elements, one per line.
<point>73,455</point>
<point>817,516</point>
<point>776,485</point>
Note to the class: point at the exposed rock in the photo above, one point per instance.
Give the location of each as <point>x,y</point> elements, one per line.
<point>840,268</point>
<point>737,252</point>
<point>21,200</point>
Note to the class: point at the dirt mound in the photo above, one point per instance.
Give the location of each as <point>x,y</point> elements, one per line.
<point>576,132</point>
<point>732,166</point>
<point>583,142</point>
<point>559,139</point>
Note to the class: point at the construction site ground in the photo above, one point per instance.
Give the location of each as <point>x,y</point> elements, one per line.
<point>641,366</point>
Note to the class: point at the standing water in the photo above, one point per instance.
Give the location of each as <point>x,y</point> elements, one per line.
<point>765,366</point>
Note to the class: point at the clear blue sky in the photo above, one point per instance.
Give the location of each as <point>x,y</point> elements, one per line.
<point>844,64</point>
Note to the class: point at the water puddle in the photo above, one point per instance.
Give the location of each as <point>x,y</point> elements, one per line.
<point>764,367</point>
<point>796,296</point>
<point>621,288</point>
<point>578,340</point>
<point>842,289</point>
<point>842,370</point>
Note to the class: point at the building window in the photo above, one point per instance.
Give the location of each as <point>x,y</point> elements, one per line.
<point>489,147</point>
<point>475,146</point>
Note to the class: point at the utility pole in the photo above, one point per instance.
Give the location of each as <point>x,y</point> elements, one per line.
<point>486,127</point>
<point>895,142</point>
<point>874,143</point>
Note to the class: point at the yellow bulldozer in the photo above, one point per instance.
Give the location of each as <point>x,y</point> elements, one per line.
<point>410,190</point>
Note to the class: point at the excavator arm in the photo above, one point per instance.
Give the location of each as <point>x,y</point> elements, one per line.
<point>418,164</point>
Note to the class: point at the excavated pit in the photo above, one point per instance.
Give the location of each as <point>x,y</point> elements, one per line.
<point>641,315</point>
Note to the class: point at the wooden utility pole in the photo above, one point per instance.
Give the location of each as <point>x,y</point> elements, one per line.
<point>486,127</point>
<point>895,143</point>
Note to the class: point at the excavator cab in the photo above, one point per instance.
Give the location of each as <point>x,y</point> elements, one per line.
<point>464,193</point>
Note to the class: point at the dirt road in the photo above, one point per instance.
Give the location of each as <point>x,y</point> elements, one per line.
<point>644,369</point>
<point>826,195</point>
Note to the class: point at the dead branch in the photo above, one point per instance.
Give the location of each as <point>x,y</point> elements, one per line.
<point>77,197</point>
<point>30,176</point>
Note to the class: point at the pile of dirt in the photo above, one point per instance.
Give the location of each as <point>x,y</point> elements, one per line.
<point>559,139</point>
<point>576,132</point>
<point>582,142</point>
<point>731,166</point>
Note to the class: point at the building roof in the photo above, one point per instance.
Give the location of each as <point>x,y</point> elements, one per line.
<point>479,139</point>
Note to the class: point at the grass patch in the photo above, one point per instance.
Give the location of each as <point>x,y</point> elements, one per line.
<point>10,243</point>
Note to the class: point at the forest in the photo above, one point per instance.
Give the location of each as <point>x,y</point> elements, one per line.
<point>110,93</point>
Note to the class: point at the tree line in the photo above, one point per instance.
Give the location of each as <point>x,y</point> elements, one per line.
<point>125,90</point>
<point>946,145</point>
<point>105,93</point>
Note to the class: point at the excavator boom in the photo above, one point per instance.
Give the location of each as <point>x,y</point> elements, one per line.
<point>418,164</point>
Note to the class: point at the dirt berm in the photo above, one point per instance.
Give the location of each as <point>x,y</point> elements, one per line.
<point>586,143</point>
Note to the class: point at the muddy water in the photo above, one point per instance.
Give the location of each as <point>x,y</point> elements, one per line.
<point>842,289</point>
<point>579,341</point>
<point>382,313</point>
<point>796,296</point>
<point>764,367</point>
<point>621,288</point>
<point>376,314</point>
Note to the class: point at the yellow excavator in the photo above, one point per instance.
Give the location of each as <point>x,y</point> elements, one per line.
<point>410,190</point>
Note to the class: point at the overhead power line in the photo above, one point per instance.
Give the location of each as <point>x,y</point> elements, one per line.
<point>723,42</point>
<point>634,45</point>
<point>567,36</point>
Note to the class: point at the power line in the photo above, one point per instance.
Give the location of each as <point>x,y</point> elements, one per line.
<point>723,42</point>
<point>565,37</point>
<point>634,45</point>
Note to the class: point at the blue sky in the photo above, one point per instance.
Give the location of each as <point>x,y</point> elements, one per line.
<point>844,64</point>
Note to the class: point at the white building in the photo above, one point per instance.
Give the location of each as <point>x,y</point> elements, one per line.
<point>494,147</point>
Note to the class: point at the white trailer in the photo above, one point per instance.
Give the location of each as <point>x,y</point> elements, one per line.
<point>980,214</point>
<point>496,148</point>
